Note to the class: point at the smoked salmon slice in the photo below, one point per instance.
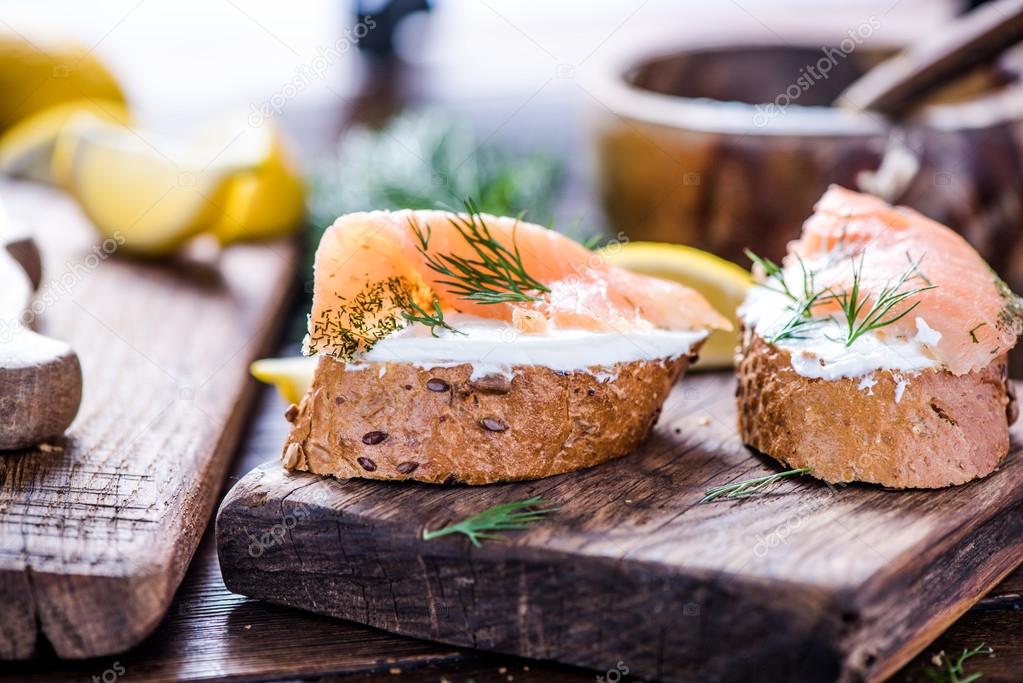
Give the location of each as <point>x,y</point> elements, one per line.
<point>373,269</point>
<point>852,236</point>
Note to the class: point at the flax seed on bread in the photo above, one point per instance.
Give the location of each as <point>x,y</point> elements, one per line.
<point>441,425</point>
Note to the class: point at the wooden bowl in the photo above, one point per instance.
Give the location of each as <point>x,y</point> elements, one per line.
<point>689,152</point>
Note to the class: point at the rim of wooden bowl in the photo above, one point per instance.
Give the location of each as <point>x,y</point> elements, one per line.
<point>612,88</point>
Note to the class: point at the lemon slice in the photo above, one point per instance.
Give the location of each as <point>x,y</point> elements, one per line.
<point>292,376</point>
<point>26,149</point>
<point>721,282</point>
<point>150,193</point>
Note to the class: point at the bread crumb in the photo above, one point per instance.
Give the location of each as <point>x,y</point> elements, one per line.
<point>394,670</point>
<point>502,670</point>
<point>248,627</point>
<point>50,448</point>
<point>292,455</point>
<point>704,420</point>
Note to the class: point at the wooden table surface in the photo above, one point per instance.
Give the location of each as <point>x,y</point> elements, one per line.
<point>805,583</point>
<point>211,634</point>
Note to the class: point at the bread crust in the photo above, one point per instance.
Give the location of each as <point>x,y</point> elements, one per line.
<point>438,425</point>
<point>943,430</point>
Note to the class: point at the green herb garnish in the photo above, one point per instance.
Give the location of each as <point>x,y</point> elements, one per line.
<point>431,320</point>
<point>800,322</point>
<point>419,160</point>
<point>952,672</point>
<point>425,158</point>
<point>496,276</point>
<point>879,309</point>
<point>773,272</point>
<point>802,305</point>
<point>750,486</point>
<point>593,242</point>
<point>504,517</point>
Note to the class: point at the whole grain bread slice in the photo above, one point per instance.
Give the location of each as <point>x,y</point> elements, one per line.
<point>923,430</point>
<point>441,425</point>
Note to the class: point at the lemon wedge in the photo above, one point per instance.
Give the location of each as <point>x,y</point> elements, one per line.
<point>38,72</point>
<point>291,376</point>
<point>263,203</point>
<point>152,193</point>
<point>26,148</point>
<point>721,282</point>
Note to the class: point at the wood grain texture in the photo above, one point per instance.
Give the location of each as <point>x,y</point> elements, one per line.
<point>40,377</point>
<point>804,583</point>
<point>95,536</point>
<point>211,633</point>
<point>1013,585</point>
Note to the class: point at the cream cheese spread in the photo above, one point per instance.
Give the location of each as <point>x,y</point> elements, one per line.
<point>495,347</point>
<point>819,350</point>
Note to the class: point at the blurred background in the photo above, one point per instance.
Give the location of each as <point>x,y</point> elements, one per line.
<point>521,74</point>
<point>181,61</point>
<point>713,124</point>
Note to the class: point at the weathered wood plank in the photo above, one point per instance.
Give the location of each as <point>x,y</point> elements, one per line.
<point>806,582</point>
<point>95,537</point>
<point>1012,585</point>
<point>205,630</point>
<point>212,633</point>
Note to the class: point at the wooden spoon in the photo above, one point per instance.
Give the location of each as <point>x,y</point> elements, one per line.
<point>894,86</point>
<point>40,377</point>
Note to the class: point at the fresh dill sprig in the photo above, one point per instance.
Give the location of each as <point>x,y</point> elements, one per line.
<point>795,327</point>
<point>593,242</point>
<point>418,160</point>
<point>504,517</point>
<point>802,305</point>
<point>952,672</point>
<point>750,486</point>
<point>431,320</point>
<point>802,319</point>
<point>773,272</point>
<point>854,301</point>
<point>497,275</point>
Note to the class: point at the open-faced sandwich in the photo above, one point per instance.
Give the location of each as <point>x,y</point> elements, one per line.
<point>876,351</point>
<point>471,348</point>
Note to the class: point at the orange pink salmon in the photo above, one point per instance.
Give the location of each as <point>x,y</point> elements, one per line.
<point>369,267</point>
<point>977,315</point>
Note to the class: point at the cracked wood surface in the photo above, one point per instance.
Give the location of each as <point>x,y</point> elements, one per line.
<point>804,582</point>
<point>96,534</point>
<point>210,633</point>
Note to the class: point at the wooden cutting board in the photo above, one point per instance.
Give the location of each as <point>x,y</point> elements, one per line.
<point>803,583</point>
<point>96,532</point>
